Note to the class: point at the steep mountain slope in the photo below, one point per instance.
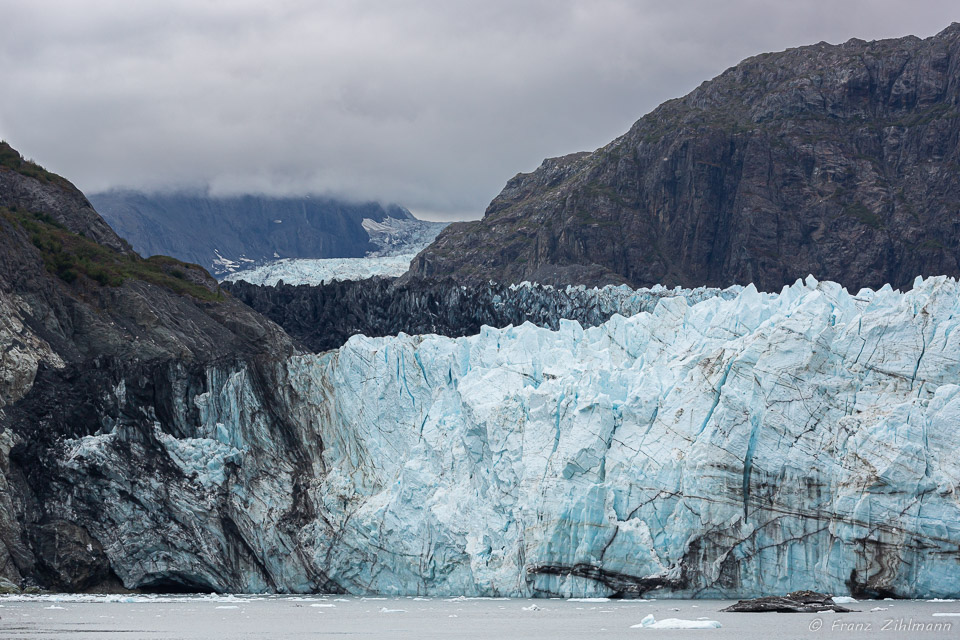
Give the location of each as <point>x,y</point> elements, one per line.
<point>224,234</point>
<point>841,161</point>
<point>94,339</point>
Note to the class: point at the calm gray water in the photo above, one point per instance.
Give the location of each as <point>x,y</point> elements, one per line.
<point>235,617</point>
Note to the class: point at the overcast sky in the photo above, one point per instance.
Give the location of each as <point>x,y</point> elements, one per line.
<point>430,104</point>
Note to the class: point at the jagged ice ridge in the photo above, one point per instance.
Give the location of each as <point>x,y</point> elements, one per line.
<point>727,447</point>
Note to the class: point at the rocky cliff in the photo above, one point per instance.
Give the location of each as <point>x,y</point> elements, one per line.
<point>94,339</point>
<point>838,160</point>
<point>229,233</point>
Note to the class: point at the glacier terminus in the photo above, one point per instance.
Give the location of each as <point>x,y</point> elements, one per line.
<point>728,446</point>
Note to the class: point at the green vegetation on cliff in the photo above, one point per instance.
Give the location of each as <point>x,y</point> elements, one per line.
<point>72,257</point>
<point>11,159</point>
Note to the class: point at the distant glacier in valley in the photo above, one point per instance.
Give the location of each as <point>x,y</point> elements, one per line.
<point>397,242</point>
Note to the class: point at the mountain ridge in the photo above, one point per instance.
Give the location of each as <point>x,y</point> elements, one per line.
<point>835,160</point>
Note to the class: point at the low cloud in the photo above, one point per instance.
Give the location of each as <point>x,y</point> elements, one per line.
<point>431,104</point>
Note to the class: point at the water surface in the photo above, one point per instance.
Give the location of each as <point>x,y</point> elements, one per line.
<point>240,617</point>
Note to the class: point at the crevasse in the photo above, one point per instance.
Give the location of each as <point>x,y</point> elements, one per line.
<point>754,451</point>
<point>727,447</point>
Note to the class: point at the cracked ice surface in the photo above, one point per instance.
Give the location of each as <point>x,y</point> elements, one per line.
<point>318,271</point>
<point>736,447</point>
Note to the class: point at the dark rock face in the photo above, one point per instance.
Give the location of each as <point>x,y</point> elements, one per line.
<point>324,317</point>
<point>841,161</point>
<point>795,602</point>
<point>80,358</point>
<point>215,232</point>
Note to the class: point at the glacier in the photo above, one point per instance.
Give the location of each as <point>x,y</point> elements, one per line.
<point>732,446</point>
<point>397,243</point>
<point>316,271</point>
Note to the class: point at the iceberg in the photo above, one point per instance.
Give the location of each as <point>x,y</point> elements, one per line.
<point>649,622</point>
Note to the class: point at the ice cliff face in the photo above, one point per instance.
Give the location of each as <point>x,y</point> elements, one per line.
<point>759,444</point>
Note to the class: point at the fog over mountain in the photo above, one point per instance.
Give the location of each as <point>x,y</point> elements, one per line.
<point>433,105</point>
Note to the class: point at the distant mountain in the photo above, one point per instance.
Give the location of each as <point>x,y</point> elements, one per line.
<point>838,160</point>
<point>226,234</point>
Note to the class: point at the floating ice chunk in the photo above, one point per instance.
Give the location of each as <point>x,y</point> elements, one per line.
<point>649,622</point>
<point>227,606</point>
<point>532,607</point>
<point>386,610</point>
<point>646,622</point>
<point>588,599</point>
<point>844,600</point>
